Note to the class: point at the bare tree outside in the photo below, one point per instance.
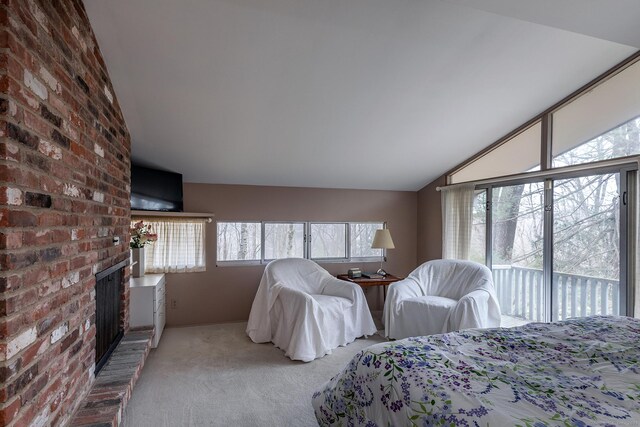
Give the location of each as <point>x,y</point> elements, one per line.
<point>478,249</point>
<point>242,241</point>
<point>328,240</point>
<point>622,141</point>
<point>506,212</point>
<point>518,225</point>
<point>361,239</point>
<point>586,235</point>
<point>283,240</point>
<point>239,241</point>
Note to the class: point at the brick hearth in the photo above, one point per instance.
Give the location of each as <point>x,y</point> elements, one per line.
<point>104,406</point>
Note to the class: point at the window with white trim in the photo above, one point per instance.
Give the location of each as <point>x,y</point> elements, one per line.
<point>260,242</point>
<point>179,247</point>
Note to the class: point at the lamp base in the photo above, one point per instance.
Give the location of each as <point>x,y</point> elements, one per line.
<point>381,272</point>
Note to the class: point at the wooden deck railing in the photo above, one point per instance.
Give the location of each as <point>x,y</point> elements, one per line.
<point>520,292</point>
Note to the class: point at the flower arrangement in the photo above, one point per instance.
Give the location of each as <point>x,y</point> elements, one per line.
<point>141,235</point>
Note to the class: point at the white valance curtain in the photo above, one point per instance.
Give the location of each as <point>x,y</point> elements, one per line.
<point>457,220</point>
<point>180,247</point>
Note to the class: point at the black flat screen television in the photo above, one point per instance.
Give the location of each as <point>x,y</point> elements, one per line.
<point>155,190</point>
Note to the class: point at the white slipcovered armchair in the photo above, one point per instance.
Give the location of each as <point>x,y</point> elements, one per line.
<point>441,296</point>
<point>306,311</point>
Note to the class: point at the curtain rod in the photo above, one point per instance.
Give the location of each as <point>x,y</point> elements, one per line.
<point>624,161</point>
<point>208,217</point>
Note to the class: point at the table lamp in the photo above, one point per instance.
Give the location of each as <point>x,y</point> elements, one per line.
<point>382,240</point>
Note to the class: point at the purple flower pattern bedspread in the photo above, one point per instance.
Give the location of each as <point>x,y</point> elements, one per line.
<point>580,372</point>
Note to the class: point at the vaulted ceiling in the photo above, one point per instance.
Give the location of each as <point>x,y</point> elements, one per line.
<point>371,94</point>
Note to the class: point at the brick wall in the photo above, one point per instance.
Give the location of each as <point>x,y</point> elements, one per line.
<point>64,195</point>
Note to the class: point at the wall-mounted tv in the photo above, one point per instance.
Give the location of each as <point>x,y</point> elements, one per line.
<point>155,190</point>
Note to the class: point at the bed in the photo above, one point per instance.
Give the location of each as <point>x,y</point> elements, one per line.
<point>580,372</point>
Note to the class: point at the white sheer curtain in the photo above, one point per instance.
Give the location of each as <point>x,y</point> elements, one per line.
<point>457,221</point>
<point>179,248</point>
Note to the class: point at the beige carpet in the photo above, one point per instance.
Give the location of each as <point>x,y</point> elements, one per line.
<point>215,376</point>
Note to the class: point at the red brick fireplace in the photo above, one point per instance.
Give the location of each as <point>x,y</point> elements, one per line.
<point>64,199</point>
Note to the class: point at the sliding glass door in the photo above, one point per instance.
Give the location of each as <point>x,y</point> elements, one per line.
<point>517,224</point>
<point>586,246</point>
<point>555,246</point>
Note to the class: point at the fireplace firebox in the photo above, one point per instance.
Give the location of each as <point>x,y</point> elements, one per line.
<point>109,328</point>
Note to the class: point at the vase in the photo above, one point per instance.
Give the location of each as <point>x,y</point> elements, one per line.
<point>137,269</point>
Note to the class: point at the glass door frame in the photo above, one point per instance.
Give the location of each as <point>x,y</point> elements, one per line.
<point>627,208</point>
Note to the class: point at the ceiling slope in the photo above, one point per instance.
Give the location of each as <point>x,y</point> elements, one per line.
<point>370,94</point>
<point>613,20</point>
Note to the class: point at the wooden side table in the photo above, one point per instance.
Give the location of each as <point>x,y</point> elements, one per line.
<point>365,282</point>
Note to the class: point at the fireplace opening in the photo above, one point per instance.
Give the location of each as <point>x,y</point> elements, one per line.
<point>109,328</point>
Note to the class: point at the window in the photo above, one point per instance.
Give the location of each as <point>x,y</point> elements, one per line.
<point>586,246</point>
<point>583,278</point>
<point>559,241</point>
<point>477,251</point>
<point>517,232</point>
<point>622,141</point>
<point>179,248</point>
<point>328,241</point>
<point>361,236</point>
<point>253,242</point>
<point>283,240</point>
<point>603,123</point>
<point>239,241</point>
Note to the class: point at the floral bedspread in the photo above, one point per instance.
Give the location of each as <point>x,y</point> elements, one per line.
<point>580,372</point>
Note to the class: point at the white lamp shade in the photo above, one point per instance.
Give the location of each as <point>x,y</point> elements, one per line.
<point>382,240</point>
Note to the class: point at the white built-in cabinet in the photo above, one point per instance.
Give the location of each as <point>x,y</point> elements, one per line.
<point>146,303</point>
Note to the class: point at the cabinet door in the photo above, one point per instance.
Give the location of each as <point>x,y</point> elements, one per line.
<point>142,306</point>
